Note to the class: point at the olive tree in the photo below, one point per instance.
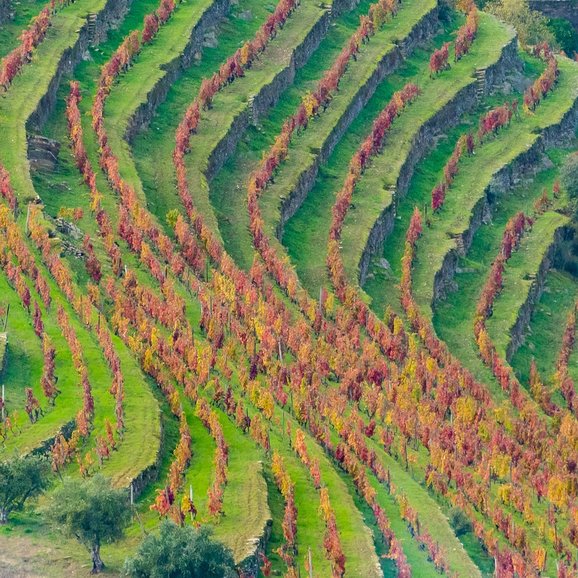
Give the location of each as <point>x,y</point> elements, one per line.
<point>21,478</point>
<point>91,511</point>
<point>176,552</point>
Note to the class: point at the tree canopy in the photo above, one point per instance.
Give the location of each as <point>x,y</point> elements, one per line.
<point>91,511</point>
<point>531,25</point>
<point>176,552</point>
<point>21,478</point>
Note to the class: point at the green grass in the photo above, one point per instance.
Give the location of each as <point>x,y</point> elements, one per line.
<point>23,358</point>
<point>519,275</point>
<point>14,112</point>
<point>310,225</point>
<point>29,87</point>
<point>475,175</point>
<point>245,497</point>
<point>229,103</point>
<point>430,515</point>
<point>454,318</point>
<point>153,147</point>
<point>132,88</point>
<point>546,329</point>
<point>10,30</point>
<point>228,193</point>
<point>375,191</point>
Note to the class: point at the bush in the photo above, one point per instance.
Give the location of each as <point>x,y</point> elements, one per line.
<point>531,25</point>
<point>569,175</point>
<point>459,522</point>
<point>21,478</point>
<point>176,552</point>
<point>565,35</point>
<point>93,512</point>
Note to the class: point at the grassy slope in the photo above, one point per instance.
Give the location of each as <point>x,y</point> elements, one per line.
<point>228,188</point>
<point>310,226</point>
<point>454,218</point>
<point>15,109</point>
<point>233,101</point>
<point>454,318</point>
<point>304,148</point>
<point>24,11</point>
<point>519,277</point>
<point>546,328</point>
<point>133,87</point>
<point>374,193</point>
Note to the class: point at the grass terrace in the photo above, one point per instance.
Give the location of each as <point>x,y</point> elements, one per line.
<point>454,218</point>
<point>520,276</point>
<point>544,336</point>
<point>376,191</point>
<point>228,191</point>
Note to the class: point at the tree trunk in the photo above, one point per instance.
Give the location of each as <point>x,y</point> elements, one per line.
<point>3,516</point>
<point>97,563</point>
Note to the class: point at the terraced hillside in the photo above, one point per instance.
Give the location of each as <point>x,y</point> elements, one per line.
<point>301,272</point>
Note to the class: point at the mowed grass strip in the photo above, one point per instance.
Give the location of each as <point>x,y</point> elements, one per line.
<point>233,101</point>
<point>309,227</point>
<point>153,147</point>
<point>546,329</point>
<point>475,175</point>
<point>11,29</point>
<point>376,190</point>
<point>520,276</point>
<point>228,188</point>
<point>15,109</point>
<point>431,518</point>
<point>31,85</point>
<point>454,317</point>
<point>304,149</point>
<point>245,498</point>
<point>228,192</point>
<point>133,87</point>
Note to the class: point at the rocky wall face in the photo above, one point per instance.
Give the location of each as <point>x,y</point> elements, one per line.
<point>5,10</point>
<point>267,96</point>
<point>390,62</point>
<point>448,116</point>
<point>523,166</point>
<point>107,18</point>
<point>144,113</point>
<point>518,330</point>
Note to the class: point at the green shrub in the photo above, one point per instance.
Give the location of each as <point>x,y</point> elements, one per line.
<point>177,552</point>
<point>459,522</point>
<point>565,35</point>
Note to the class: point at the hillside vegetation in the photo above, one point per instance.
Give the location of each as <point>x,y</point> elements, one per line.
<point>301,272</point>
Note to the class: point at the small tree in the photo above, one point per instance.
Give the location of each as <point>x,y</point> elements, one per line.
<point>531,25</point>
<point>21,478</point>
<point>91,511</point>
<point>177,552</point>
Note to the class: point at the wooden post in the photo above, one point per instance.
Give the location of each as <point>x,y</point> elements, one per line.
<point>131,494</point>
<point>310,564</point>
<point>3,403</point>
<point>6,318</point>
<point>191,498</point>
